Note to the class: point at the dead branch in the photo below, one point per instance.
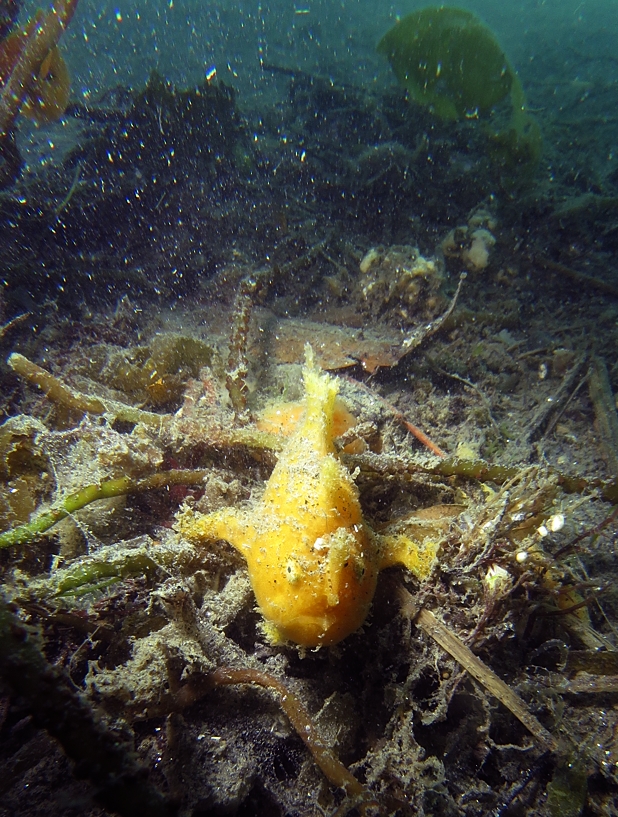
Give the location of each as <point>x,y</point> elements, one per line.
<point>480,672</point>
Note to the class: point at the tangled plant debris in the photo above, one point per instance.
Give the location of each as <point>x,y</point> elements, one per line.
<point>198,632</point>
<point>472,687</point>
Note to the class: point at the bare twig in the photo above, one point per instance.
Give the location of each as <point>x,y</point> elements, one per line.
<point>302,722</point>
<point>478,670</point>
<point>544,420</point>
<point>422,333</point>
<point>581,279</point>
<point>14,322</point>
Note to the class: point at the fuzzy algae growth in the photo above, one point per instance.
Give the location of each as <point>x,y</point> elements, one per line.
<point>312,559</point>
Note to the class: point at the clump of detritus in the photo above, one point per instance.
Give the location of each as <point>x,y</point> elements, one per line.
<point>149,626</point>
<point>152,375</point>
<point>25,477</point>
<point>472,243</point>
<point>399,281</point>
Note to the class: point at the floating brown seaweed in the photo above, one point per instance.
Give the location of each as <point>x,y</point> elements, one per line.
<point>34,79</point>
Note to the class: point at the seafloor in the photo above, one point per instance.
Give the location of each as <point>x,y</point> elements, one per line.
<point>344,219</point>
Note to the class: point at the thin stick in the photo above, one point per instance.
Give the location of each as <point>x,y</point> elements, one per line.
<point>8,326</point>
<point>420,435</point>
<point>330,764</point>
<point>421,335</point>
<point>584,281</point>
<point>542,419</point>
<point>478,670</point>
<point>605,411</point>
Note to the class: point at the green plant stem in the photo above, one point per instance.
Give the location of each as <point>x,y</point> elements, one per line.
<point>53,387</point>
<point>121,486</point>
<point>486,472</point>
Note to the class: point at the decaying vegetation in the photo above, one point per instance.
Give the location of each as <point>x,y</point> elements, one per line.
<point>495,576</point>
<point>487,689</point>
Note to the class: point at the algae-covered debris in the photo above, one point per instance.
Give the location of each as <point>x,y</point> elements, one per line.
<point>121,263</point>
<point>166,127</point>
<point>153,375</point>
<point>401,280</point>
<point>567,789</point>
<point>163,633</point>
<point>53,703</point>
<point>24,469</point>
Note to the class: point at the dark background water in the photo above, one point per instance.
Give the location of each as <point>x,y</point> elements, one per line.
<point>564,51</point>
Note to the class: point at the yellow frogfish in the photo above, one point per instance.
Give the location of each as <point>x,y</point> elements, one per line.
<point>312,559</point>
